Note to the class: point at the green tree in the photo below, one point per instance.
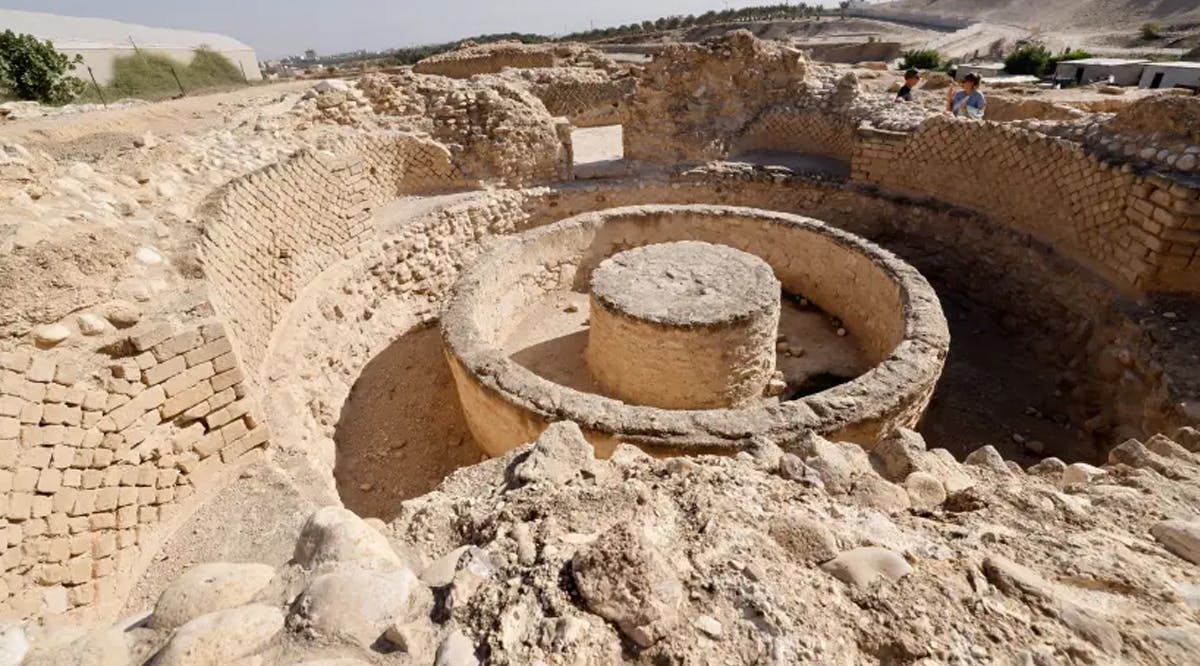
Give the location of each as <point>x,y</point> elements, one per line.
<point>921,59</point>
<point>32,69</point>
<point>1033,59</point>
<point>1151,31</point>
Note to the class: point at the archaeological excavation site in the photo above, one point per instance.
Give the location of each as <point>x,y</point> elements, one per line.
<point>526,355</point>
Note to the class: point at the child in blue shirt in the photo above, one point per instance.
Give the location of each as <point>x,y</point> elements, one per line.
<point>968,102</point>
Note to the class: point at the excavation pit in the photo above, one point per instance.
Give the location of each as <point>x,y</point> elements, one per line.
<point>683,325</point>
<point>866,297</point>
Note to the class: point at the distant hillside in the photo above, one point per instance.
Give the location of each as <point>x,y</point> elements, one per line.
<point>1098,14</point>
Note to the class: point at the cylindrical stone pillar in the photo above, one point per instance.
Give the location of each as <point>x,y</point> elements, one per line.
<point>683,325</point>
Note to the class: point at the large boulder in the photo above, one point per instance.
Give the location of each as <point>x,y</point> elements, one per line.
<point>77,647</point>
<point>334,535</point>
<point>360,605</point>
<point>206,588</point>
<point>222,637</point>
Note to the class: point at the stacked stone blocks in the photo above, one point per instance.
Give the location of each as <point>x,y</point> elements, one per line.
<point>91,462</point>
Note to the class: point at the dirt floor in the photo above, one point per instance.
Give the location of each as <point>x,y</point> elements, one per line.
<point>401,430</point>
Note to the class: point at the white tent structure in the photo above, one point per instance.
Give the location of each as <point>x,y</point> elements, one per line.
<point>99,41</point>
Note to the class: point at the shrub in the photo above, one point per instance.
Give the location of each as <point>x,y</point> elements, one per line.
<point>1033,59</point>
<point>921,59</point>
<point>1151,31</point>
<point>149,74</point>
<point>32,69</point>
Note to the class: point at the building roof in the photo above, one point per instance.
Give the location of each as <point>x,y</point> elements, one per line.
<point>1181,64</point>
<point>1104,62</point>
<point>74,32</point>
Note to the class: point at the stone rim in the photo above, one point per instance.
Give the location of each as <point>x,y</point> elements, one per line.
<point>912,367</point>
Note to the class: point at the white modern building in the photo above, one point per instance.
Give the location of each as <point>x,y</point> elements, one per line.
<point>1180,74</point>
<point>1118,71</point>
<point>984,70</point>
<point>100,41</point>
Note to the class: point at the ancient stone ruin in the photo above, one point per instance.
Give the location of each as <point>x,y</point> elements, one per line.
<point>378,372</point>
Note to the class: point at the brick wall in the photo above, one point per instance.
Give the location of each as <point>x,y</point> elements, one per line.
<point>790,128</point>
<point>95,457</point>
<point>269,234</point>
<point>1139,231</point>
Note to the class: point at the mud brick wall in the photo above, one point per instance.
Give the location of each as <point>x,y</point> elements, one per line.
<point>466,65</point>
<point>1142,232</point>
<point>268,234</point>
<point>96,458</point>
<point>587,97</point>
<point>795,129</point>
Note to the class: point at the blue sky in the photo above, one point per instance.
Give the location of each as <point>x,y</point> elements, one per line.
<point>281,27</point>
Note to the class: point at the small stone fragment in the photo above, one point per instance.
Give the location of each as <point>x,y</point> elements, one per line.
<point>1180,537</point>
<point>709,625</point>
<point>91,324</point>
<point>50,335</point>
<point>623,578</point>
<point>862,566</point>
<point>559,455</point>
<point>456,650</point>
<point>925,492</point>
<point>806,540</point>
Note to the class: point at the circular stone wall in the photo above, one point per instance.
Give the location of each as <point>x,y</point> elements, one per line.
<point>880,299</point>
<point>683,325</point>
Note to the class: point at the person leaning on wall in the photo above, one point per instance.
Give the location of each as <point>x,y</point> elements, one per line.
<point>967,101</point>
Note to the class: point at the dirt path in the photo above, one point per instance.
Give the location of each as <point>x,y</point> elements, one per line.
<point>189,115</point>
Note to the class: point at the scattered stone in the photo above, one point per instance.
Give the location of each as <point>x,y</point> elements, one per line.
<point>334,535</point>
<point>925,492</point>
<point>456,650</point>
<point>1051,468</point>
<point>91,324</point>
<point>359,605</point>
<point>1188,438</point>
<point>805,540</point>
<point>121,314</point>
<point>1080,474</point>
<point>559,455</point>
<point>989,458</point>
<point>50,335</point>
<point>623,578</point>
<point>148,256</point>
<point>75,647</point>
<point>222,637</point>
<point>1180,537</point>
<point>206,588</point>
<point>863,566</point>
<point>13,643</point>
<point>709,625</point>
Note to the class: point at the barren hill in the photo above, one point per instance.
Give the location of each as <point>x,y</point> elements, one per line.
<point>1061,13</point>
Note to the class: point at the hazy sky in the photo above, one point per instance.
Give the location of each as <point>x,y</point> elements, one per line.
<point>282,27</point>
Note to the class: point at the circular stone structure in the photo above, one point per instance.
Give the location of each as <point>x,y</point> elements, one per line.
<point>683,325</point>
<point>875,296</point>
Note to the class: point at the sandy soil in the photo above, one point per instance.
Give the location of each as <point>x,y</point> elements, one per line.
<point>401,430</point>
<point>68,134</point>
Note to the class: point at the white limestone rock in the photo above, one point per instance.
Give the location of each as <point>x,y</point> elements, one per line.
<point>222,637</point>
<point>334,535</point>
<point>360,605</point>
<point>206,588</point>
<point>862,566</point>
<point>50,335</point>
<point>1180,537</point>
